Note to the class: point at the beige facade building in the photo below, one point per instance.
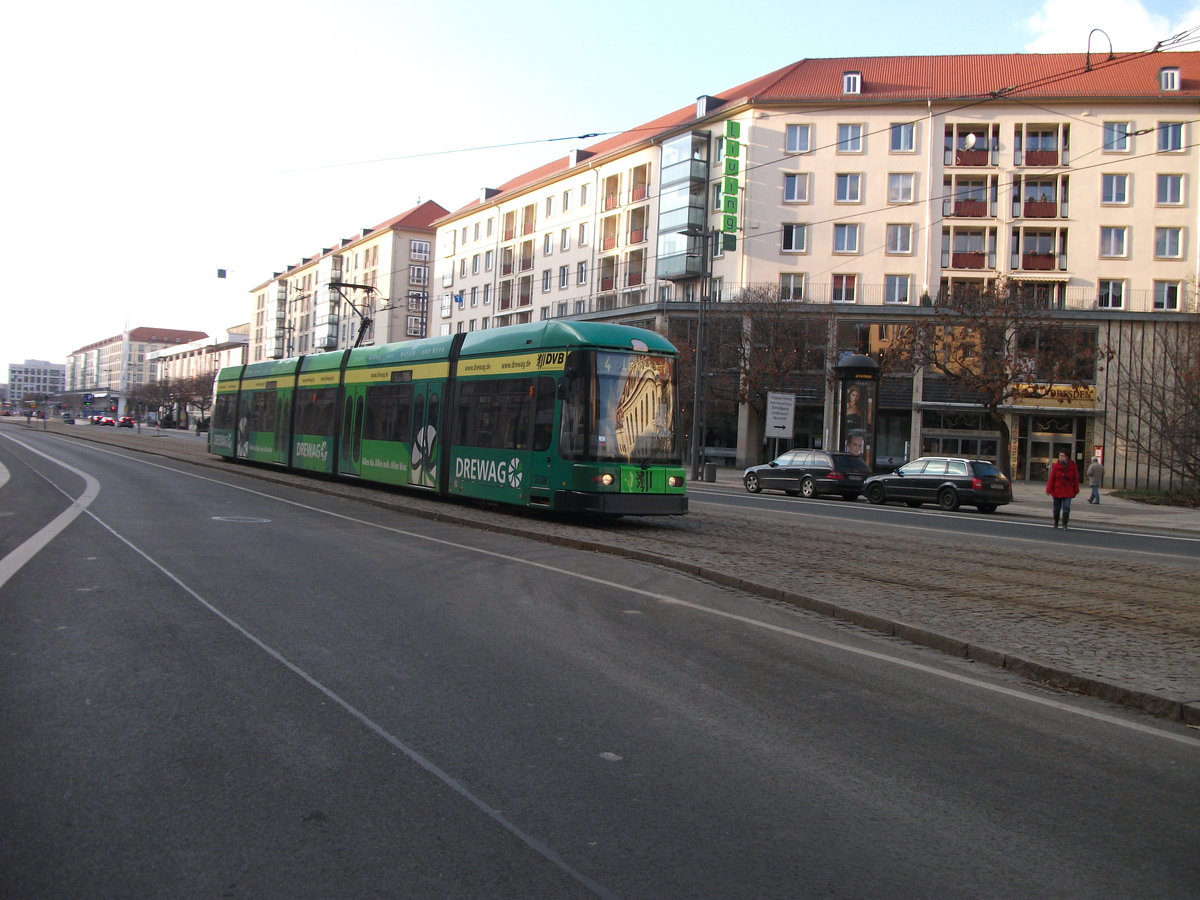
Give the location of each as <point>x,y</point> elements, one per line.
<point>369,289</point>
<point>111,368</point>
<point>871,186</point>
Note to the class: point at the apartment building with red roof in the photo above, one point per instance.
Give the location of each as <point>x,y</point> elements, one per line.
<point>869,186</point>
<point>370,288</point>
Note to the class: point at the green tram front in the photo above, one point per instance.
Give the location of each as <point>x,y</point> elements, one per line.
<point>618,438</point>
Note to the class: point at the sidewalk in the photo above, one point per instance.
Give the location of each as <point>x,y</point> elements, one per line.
<point>1030,501</point>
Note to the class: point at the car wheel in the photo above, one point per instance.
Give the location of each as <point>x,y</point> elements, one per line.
<point>875,494</point>
<point>752,483</point>
<point>948,499</point>
<point>986,507</point>
<point>808,487</point>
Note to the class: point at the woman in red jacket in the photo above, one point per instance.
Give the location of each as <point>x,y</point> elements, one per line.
<point>1062,484</point>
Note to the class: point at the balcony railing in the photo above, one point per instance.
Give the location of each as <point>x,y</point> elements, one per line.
<point>638,193</point>
<point>608,242</point>
<point>637,235</point>
<point>1040,262</point>
<point>610,201</point>
<point>635,278</point>
<point>1040,209</point>
<point>607,282</point>
<point>968,208</point>
<point>1040,158</point>
<point>970,158</point>
<point>971,259</point>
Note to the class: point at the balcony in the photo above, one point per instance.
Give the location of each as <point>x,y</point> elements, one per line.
<point>1040,209</point>
<point>1041,158</point>
<point>607,282</point>
<point>972,259</point>
<point>971,157</point>
<point>610,202</point>
<point>509,233</point>
<point>638,193</point>
<point>635,278</point>
<point>679,265</point>
<point>970,208</point>
<point>608,242</point>
<point>1038,262</point>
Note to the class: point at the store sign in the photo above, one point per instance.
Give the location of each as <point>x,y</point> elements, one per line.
<point>781,415</point>
<point>731,184</point>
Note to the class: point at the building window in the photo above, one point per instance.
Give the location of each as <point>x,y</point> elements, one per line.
<point>1168,79</point>
<point>1114,189</point>
<point>418,249</point>
<point>900,187</point>
<point>581,273</point>
<point>1168,243</point>
<point>564,239</point>
<point>1116,137</point>
<point>487,295</point>
<point>1166,295</point>
<point>1111,293</point>
<point>848,188</point>
<point>566,200</point>
<point>798,138</point>
<point>895,288</point>
<point>849,138</point>
<point>564,276</point>
<point>1169,190</point>
<point>418,274</point>
<point>585,196</point>
<point>547,244</point>
<point>845,238</point>
<point>791,285</point>
<point>715,202</point>
<point>545,280</point>
<point>852,82</point>
<point>843,288</point>
<point>487,260</point>
<point>795,238</point>
<point>899,239</point>
<point>583,234</point>
<point>1170,137</point>
<point>550,206</point>
<point>1112,241</point>
<point>903,137</point>
<point>795,187</point>
<point>475,264</point>
<point>488,229</point>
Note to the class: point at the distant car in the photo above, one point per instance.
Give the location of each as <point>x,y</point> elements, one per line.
<point>810,473</point>
<point>948,481</point>
<point>125,422</point>
<point>104,420</point>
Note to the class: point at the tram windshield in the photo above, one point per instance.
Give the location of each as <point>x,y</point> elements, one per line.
<point>619,407</point>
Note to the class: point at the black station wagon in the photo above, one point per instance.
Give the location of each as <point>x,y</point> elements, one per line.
<point>946,481</point>
<point>810,473</point>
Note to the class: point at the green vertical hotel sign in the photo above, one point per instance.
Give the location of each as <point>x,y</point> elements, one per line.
<point>730,183</point>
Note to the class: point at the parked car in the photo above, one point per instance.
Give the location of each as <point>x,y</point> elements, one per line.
<point>125,422</point>
<point>948,481</point>
<point>810,473</point>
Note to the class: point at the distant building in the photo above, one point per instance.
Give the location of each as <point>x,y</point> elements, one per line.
<point>200,358</point>
<point>369,289</point>
<point>35,379</point>
<point>111,368</point>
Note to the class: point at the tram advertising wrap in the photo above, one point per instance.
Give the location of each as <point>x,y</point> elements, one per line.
<point>565,416</point>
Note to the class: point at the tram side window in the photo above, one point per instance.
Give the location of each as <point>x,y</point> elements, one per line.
<point>261,413</point>
<point>505,414</point>
<point>225,411</point>
<point>315,413</point>
<point>387,412</point>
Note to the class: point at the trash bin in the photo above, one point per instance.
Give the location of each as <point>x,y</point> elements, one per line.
<point>710,472</point>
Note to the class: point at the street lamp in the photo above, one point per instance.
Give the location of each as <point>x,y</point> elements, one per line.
<point>698,423</point>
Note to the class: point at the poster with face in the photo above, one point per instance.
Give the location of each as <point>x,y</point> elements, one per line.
<point>858,417</point>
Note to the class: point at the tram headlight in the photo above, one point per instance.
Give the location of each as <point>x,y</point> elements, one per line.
<point>675,481</point>
<point>605,480</point>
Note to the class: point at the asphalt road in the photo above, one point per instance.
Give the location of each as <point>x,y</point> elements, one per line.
<point>217,686</point>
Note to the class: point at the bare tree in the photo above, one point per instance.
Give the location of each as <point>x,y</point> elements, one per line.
<point>1160,386</point>
<point>771,341</point>
<point>998,345</point>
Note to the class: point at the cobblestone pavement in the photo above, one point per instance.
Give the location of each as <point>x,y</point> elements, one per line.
<point>1128,631</point>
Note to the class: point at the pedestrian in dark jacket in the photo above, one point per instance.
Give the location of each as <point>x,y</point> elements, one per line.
<point>1062,485</point>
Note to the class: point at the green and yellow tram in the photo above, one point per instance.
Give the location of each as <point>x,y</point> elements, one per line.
<point>565,416</point>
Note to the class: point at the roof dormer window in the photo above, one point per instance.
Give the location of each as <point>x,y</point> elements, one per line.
<point>852,82</point>
<point>1168,79</point>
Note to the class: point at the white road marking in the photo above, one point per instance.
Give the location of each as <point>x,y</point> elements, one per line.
<point>668,599</point>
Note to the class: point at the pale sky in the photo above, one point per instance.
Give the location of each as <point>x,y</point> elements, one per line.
<point>148,144</point>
